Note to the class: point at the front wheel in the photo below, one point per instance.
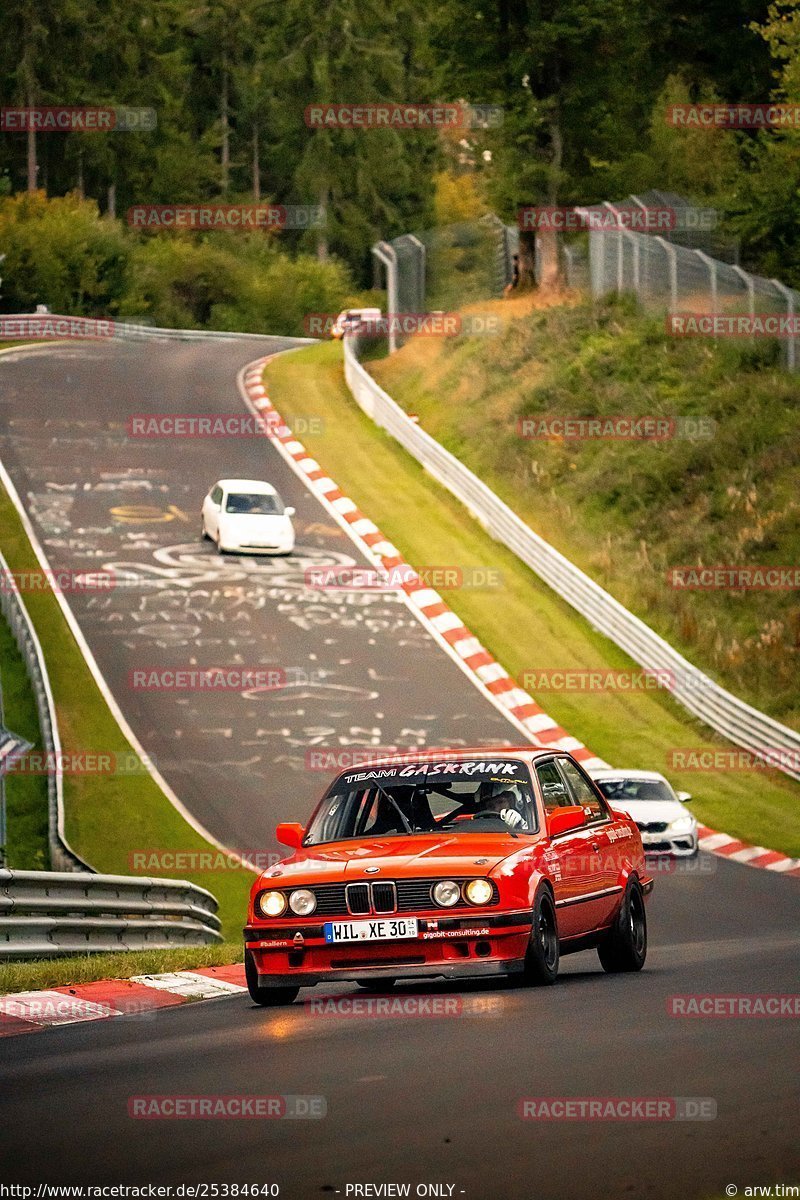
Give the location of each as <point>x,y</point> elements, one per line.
<point>204,536</point>
<point>267,997</point>
<point>625,948</point>
<point>543,954</point>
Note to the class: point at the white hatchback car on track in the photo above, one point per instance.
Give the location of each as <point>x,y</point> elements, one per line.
<point>247,516</point>
<point>666,825</point>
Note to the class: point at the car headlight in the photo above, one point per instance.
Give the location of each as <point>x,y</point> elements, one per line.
<point>446,893</point>
<point>682,825</point>
<point>479,891</point>
<point>271,904</point>
<point>302,902</point>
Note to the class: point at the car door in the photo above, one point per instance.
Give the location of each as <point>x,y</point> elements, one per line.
<point>211,510</point>
<point>574,866</point>
<point>600,842</point>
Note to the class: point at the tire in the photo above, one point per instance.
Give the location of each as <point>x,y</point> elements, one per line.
<point>543,954</point>
<point>203,532</point>
<point>625,948</point>
<point>376,985</point>
<point>267,997</point>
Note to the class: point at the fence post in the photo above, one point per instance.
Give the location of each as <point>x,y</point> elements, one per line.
<point>620,247</point>
<point>421,270</point>
<point>386,254</point>
<point>712,274</point>
<point>672,255</point>
<point>751,289</point>
<point>791,345</point>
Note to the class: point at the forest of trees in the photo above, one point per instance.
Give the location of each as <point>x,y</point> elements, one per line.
<point>583,85</point>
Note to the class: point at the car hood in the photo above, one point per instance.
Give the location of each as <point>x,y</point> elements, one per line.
<point>396,857</point>
<point>651,810</point>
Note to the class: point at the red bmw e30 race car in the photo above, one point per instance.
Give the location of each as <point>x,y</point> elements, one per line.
<point>479,862</point>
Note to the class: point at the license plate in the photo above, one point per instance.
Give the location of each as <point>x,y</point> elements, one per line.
<point>370,931</point>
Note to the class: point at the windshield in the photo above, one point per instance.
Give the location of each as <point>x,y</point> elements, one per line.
<point>635,789</point>
<point>465,797</point>
<point>256,505</point>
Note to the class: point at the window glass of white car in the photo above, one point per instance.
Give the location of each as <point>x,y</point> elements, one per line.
<point>216,495</point>
<point>554,789</point>
<point>248,504</point>
<point>636,789</point>
<point>582,791</point>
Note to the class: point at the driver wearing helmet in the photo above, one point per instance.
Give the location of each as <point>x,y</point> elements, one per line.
<point>505,801</point>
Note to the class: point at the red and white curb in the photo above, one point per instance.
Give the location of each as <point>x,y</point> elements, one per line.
<point>448,629</point>
<point>752,856</point>
<point>26,1012</point>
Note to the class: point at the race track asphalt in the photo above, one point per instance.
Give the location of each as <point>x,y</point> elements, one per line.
<point>417,1100</point>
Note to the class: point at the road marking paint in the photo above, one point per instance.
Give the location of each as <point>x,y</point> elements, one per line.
<point>189,984</point>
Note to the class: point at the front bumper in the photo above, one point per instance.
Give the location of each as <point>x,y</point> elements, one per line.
<point>680,845</point>
<point>279,548</point>
<point>298,955</point>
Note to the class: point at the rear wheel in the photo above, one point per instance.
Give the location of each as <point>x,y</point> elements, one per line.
<point>267,997</point>
<point>625,948</point>
<point>203,531</point>
<point>542,957</point>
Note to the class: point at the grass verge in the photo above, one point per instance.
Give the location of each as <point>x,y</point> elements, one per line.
<point>108,817</point>
<point>522,622</point>
<point>721,490</point>
<point>26,795</point>
<point>86,968</point>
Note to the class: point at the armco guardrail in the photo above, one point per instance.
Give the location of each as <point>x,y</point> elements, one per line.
<point>62,856</point>
<point>129,330</point>
<point>741,723</point>
<point>49,913</point>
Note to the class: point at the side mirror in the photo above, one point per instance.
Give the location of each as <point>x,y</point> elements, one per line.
<point>684,797</point>
<point>290,833</point>
<point>565,819</point>
<point>290,511</point>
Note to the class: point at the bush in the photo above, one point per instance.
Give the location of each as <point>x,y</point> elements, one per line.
<point>61,253</point>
